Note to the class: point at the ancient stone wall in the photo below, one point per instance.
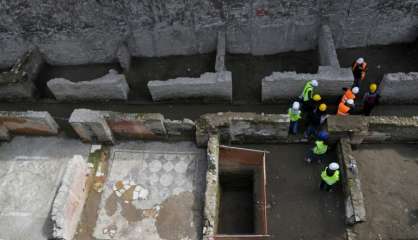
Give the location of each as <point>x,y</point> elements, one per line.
<point>105,126</point>
<point>19,82</point>
<point>209,86</point>
<point>242,127</point>
<point>112,86</point>
<point>80,32</point>
<point>355,210</point>
<point>399,88</point>
<point>69,201</point>
<point>26,123</point>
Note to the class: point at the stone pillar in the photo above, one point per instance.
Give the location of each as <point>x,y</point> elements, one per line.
<point>124,57</point>
<point>220,53</point>
<point>91,126</point>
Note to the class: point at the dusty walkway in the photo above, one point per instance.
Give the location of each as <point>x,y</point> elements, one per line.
<point>297,209</point>
<point>31,169</point>
<point>389,179</point>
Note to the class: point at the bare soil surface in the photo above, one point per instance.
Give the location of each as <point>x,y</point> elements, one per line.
<point>297,209</point>
<point>389,180</point>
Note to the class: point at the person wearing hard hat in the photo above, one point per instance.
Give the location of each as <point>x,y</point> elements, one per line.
<point>330,176</point>
<point>350,93</point>
<point>294,115</point>
<point>370,99</point>
<point>317,119</point>
<point>359,68</point>
<point>345,107</point>
<point>311,105</point>
<point>318,151</point>
<point>308,93</point>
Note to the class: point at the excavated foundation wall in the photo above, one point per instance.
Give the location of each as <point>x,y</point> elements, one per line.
<point>80,32</point>
<point>26,123</point>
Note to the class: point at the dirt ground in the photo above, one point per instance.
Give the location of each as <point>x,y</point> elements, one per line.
<point>297,209</point>
<point>389,180</point>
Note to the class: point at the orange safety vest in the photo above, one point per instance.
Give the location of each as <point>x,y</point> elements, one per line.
<point>348,95</point>
<point>343,109</point>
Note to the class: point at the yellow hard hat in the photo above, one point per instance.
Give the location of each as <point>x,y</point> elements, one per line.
<point>373,87</point>
<point>322,107</point>
<point>316,97</point>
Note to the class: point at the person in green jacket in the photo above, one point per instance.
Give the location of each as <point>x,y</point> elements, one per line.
<point>308,92</point>
<point>330,176</point>
<point>294,115</point>
<point>318,151</point>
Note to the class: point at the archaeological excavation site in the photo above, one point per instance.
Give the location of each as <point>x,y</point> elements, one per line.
<point>209,120</point>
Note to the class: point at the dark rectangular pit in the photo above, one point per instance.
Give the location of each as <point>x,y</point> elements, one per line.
<point>242,212</point>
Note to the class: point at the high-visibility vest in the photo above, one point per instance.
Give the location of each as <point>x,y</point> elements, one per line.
<point>343,109</point>
<point>294,116</point>
<point>307,91</point>
<point>320,148</point>
<point>348,95</point>
<point>330,180</point>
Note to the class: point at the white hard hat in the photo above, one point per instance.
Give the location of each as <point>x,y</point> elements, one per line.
<point>355,90</point>
<point>360,60</point>
<point>334,166</point>
<point>315,83</point>
<point>350,101</point>
<point>296,106</point>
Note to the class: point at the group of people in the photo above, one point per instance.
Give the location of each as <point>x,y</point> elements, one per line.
<point>311,108</point>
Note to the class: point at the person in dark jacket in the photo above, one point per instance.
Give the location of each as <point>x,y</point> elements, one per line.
<point>370,99</point>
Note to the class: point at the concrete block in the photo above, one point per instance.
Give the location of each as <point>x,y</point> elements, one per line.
<point>124,57</point>
<point>210,86</point>
<point>285,85</point>
<point>112,86</point>
<point>69,201</point>
<point>91,126</point>
<point>183,128</point>
<point>136,126</point>
<point>326,48</point>
<point>399,88</point>
<point>29,123</point>
<point>19,81</point>
<point>220,52</point>
<point>211,207</point>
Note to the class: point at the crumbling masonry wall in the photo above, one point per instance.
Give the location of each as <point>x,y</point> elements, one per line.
<point>80,32</point>
<point>19,81</point>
